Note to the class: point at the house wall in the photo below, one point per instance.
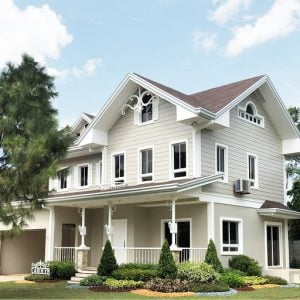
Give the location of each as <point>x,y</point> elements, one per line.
<point>253,232</point>
<point>125,136</point>
<point>240,138</point>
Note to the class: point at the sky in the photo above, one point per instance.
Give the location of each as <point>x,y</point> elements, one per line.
<point>190,45</point>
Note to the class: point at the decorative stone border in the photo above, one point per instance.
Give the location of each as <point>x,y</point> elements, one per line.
<point>228,293</point>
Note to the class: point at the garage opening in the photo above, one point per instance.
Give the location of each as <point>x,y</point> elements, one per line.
<point>17,254</point>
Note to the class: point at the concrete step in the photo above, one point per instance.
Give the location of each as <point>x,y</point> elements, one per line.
<point>83,275</point>
<point>77,279</point>
<point>90,272</point>
<point>89,269</point>
<point>73,282</point>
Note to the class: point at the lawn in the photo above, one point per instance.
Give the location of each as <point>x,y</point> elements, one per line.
<point>10,290</point>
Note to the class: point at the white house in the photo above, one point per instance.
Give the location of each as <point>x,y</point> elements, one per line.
<point>158,164</point>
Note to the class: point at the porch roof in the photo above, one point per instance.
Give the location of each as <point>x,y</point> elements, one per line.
<point>173,186</point>
<point>277,210</point>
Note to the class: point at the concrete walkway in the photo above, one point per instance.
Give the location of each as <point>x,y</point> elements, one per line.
<point>12,277</point>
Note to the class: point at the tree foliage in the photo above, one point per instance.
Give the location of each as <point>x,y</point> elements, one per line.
<point>211,257</point>
<point>108,262</point>
<point>294,225</point>
<point>30,143</point>
<point>166,266</point>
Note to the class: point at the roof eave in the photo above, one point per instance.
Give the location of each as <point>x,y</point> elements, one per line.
<point>279,213</point>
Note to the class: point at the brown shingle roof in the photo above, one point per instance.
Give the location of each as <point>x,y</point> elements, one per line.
<point>213,99</point>
<point>274,204</point>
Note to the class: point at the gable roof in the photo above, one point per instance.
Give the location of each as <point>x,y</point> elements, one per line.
<point>213,99</point>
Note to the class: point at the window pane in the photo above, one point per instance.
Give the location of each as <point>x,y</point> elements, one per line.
<point>234,237</point>
<point>144,162</point>
<point>276,259</point>
<point>117,166</point>
<point>121,165</point>
<point>146,110</point>
<point>84,176</point>
<point>269,245</point>
<point>182,156</point>
<point>225,232</point>
<point>176,156</point>
<point>220,159</point>
<point>179,174</point>
<point>252,167</point>
<point>150,161</point>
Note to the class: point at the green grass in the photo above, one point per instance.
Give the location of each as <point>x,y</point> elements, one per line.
<point>10,290</point>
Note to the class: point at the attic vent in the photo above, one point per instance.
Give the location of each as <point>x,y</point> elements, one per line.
<point>249,114</point>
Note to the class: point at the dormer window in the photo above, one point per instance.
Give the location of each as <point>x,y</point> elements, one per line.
<point>249,114</point>
<point>146,114</point>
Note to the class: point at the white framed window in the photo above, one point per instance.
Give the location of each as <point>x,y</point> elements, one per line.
<point>252,170</point>
<point>118,167</point>
<point>222,160</point>
<point>62,178</point>
<point>83,175</point>
<point>231,238</point>
<point>179,159</point>
<point>249,114</point>
<point>146,164</point>
<point>147,110</point>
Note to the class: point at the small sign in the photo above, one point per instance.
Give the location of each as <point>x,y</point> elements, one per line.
<point>40,268</point>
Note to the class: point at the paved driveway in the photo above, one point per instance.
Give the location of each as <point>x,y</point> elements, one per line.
<point>12,277</point>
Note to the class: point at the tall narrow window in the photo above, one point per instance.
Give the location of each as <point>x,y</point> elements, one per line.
<point>146,161</point>
<point>179,160</point>
<point>146,114</point>
<point>83,175</point>
<point>119,168</point>
<point>231,237</point>
<point>273,245</point>
<point>252,170</point>
<point>221,161</point>
<point>62,176</point>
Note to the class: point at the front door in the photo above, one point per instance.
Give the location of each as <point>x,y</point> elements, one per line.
<point>273,245</point>
<point>182,238</point>
<point>119,239</point>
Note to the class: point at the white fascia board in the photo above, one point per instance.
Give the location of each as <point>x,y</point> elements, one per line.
<point>278,213</point>
<point>184,114</point>
<point>95,136</point>
<point>291,146</point>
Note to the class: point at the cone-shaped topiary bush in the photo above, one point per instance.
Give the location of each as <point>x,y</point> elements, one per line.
<point>166,266</point>
<point>211,257</point>
<point>108,261</point>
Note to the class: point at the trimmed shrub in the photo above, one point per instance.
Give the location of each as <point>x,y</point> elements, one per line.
<point>276,280</point>
<point>123,284</point>
<point>62,270</point>
<point>209,287</point>
<point>233,279</point>
<point>139,266</point>
<point>245,264</point>
<point>134,274</point>
<point>211,257</point>
<point>108,262</point>
<point>167,285</point>
<point>197,272</point>
<point>166,266</point>
<point>93,280</point>
<point>254,280</point>
<point>37,277</point>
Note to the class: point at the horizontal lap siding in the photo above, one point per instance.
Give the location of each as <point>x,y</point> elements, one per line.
<point>243,137</point>
<point>126,136</point>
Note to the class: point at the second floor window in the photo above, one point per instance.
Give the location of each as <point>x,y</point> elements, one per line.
<point>179,160</point>
<point>221,161</point>
<point>119,168</point>
<point>253,170</point>
<point>146,114</point>
<point>83,173</point>
<point>62,176</point>
<point>146,161</point>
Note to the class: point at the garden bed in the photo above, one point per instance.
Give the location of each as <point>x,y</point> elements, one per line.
<point>148,293</point>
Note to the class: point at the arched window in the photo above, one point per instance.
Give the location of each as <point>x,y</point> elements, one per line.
<point>249,113</point>
<point>146,114</point>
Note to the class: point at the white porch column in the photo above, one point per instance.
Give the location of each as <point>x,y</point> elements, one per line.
<point>49,249</point>
<point>211,220</point>
<point>82,230</point>
<point>108,227</point>
<point>173,226</point>
<point>286,243</point>
<point>104,165</point>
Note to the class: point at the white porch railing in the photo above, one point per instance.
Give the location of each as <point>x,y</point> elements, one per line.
<point>64,253</point>
<point>146,255</point>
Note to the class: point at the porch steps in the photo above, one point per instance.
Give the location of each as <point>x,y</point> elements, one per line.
<point>82,274</point>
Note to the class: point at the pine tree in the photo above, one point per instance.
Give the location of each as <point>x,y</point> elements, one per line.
<point>30,143</point>
<point>108,262</point>
<point>211,257</point>
<point>166,266</point>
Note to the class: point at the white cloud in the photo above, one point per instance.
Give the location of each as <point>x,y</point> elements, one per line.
<point>228,9</point>
<point>282,18</point>
<point>204,41</point>
<point>88,69</point>
<point>38,31</point>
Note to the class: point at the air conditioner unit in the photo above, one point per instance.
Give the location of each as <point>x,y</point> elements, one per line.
<point>242,186</point>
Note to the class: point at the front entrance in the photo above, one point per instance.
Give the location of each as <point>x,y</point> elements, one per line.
<point>273,243</point>
<point>119,239</point>
<point>182,237</point>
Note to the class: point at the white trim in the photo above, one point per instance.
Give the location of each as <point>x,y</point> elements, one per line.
<point>256,181</point>
<point>68,179</point>
<point>240,245</point>
<point>196,141</point>
<point>255,115</point>
<point>210,221</point>
<point>139,164</point>
<point>286,244</point>
<point>162,229</point>
<point>278,224</point>
<point>49,240</point>
<point>113,178</point>
<point>225,178</point>
<point>78,184</point>
<point>171,160</point>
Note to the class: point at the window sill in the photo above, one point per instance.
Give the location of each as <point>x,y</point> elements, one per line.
<point>145,123</point>
<point>231,253</point>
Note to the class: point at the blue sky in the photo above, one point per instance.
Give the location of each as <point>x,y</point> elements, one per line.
<point>190,45</point>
